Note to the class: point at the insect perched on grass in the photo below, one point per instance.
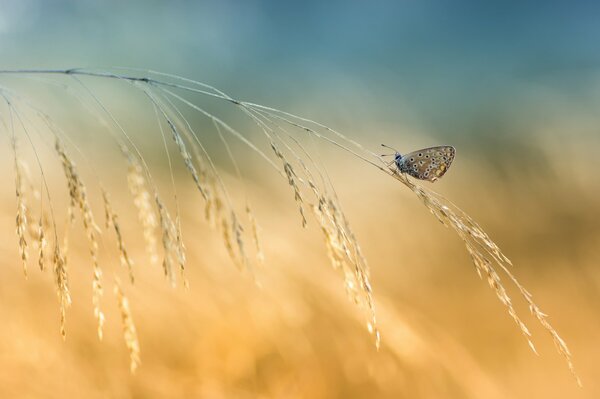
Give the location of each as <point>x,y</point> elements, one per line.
<point>426,164</point>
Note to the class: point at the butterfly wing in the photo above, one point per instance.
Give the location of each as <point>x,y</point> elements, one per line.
<point>428,163</point>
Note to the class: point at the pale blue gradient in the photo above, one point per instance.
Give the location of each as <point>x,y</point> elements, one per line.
<point>462,68</point>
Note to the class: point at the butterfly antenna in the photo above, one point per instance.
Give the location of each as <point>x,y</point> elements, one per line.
<point>393,149</point>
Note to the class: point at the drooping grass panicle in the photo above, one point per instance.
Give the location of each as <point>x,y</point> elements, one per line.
<point>260,255</point>
<point>78,196</point>
<point>139,179</point>
<point>21,218</point>
<point>129,331</point>
<point>37,225</point>
<point>175,227</point>
<point>58,134</point>
<point>485,253</point>
<point>181,146</point>
<point>140,185</point>
<point>341,243</point>
<point>343,247</point>
<point>204,177</point>
<point>232,229</point>
<point>112,221</point>
<point>344,251</point>
<point>58,258</point>
<point>292,179</point>
<point>61,279</point>
<point>42,242</point>
<point>139,176</point>
<point>482,249</point>
<point>173,252</point>
<point>345,256</point>
<point>142,199</point>
<point>25,220</point>
<point>219,199</point>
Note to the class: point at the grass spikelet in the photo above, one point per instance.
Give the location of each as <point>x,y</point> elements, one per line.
<point>238,231</point>
<point>232,232</point>
<point>225,219</point>
<point>187,158</point>
<point>26,217</point>
<point>181,257</point>
<point>143,202</point>
<point>42,244</point>
<point>210,210</point>
<point>345,255</point>
<point>485,253</point>
<point>342,247</point>
<point>113,221</point>
<point>484,268</point>
<point>21,224</point>
<point>292,177</point>
<point>560,344</point>
<point>171,240</point>
<point>227,239</point>
<point>208,177</point>
<point>62,286</point>
<point>28,190</point>
<point>78,195</point>
<point>260,255</point>
<point>21,218</point>
<point>344,251</point>
<point>129,331</point>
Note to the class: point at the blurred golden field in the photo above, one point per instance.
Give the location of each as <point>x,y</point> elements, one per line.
<point>295,334</point>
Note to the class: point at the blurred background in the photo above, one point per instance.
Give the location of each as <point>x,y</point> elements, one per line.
<point>514,86</point>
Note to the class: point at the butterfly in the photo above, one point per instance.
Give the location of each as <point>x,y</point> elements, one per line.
<point>426,164</point>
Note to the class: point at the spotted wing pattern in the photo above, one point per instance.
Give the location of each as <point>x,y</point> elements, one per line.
<point>428,163</point>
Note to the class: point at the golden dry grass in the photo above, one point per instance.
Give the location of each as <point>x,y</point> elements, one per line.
<point>284,327</point>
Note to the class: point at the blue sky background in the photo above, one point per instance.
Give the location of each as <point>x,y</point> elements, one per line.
<point>455,67</point>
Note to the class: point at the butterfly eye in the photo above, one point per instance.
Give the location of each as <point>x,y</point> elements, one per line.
<point>426,156</point>
<point>426,174</point>
<point>412,160</point>
<point>420,154</point>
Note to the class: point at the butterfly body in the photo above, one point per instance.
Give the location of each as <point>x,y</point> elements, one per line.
<point>426,164</point>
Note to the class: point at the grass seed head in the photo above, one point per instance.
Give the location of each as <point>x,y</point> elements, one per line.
<point>129,330</point>
<point>112,220</point>
<point>142,199</point>
<point>78,195</point>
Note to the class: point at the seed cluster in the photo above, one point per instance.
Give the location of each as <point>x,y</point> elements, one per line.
<point>21,219</point>
<point>112,220</point>
<point>343,249</point>
<point>129,331</point>
<point>142,199</point>
<point>79,199</point>
<point>485,255</point>
<point>292,181</point>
